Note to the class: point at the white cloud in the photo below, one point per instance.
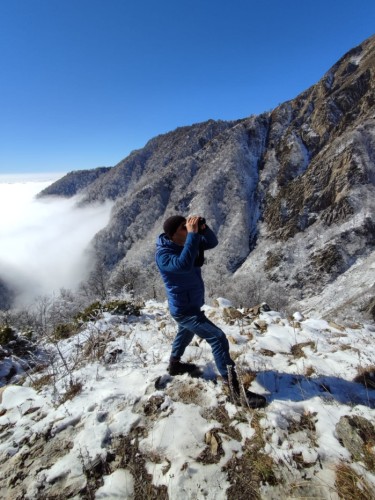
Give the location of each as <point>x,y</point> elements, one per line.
<point>43,241</point>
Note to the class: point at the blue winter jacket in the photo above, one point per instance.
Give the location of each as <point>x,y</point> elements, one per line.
<point>182,279</point>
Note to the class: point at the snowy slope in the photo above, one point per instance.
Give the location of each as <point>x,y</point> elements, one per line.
<point>347,294</point>
<point>104,420</point>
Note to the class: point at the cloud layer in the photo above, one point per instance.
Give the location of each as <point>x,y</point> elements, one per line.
<point>43,242</point>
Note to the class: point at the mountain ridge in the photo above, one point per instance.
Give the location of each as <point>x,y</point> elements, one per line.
<point>273,186</point>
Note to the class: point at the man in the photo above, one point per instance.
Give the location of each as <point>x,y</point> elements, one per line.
<point>179,257</point>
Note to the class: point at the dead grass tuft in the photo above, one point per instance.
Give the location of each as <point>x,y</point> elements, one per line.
<point>42,381</point>
<point>72,391</point>
<point>131,458</point>
<point>254,468</point>
<point>366,377</point>
<point>345,347</point>
<point>350,485</point>
<point>220,414</point>
<point>309,370</point>
<point>267,352</point>
<point>187,391</point>
<point>246,375</point>
<point>297,349</point>
<point>306,423</point>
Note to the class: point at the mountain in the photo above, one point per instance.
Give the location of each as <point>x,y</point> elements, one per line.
<point>73,182</point>
<point>289,192</point>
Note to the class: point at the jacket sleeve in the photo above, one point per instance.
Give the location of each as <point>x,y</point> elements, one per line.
<point>208,238</point>
<point>168,261</point>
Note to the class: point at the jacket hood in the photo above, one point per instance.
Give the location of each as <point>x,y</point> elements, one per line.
<point>164,241</point>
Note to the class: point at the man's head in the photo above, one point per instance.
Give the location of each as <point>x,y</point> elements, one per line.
<point>175,228</point>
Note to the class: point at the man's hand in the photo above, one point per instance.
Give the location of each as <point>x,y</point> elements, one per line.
<point>192,224</point>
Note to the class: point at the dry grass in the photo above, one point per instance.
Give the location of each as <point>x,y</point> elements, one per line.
<point>309,370</point>
<point>72,391</point>
<point>350,485</point>
<point>42,381</point>
<point>95,348</point>
<point>306,423</point>
<point>187,391</point>
<point>267,352</point>
<point>254,468</point>
<point>346,347</point>
<point>129,457</point>
<point>246,375</point>
<point>220,414</point>
<point>297,349</point>
<point>366,376</point>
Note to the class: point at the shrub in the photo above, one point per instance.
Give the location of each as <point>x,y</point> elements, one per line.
<point>65,330</point>
<point>91,313</point>
<point>7,334</point>
<point>120,307</point>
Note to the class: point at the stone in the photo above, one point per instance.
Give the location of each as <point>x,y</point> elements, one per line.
<point>354,432</point>
<point>232,313</point>
<point>261,325</point>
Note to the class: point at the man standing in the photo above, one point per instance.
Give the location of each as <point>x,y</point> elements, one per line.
<point>179,257</point>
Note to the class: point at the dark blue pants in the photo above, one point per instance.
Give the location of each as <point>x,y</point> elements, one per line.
<point>198,324</point>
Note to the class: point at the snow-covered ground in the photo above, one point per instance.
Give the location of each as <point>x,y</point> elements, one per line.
<point>105,420</point>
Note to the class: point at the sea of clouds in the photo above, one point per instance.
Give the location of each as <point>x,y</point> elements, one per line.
<point>44,242</point>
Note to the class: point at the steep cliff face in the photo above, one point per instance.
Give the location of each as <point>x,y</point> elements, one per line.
<point>290,193</point>
<point>317,182</point>
<point>323,147</point>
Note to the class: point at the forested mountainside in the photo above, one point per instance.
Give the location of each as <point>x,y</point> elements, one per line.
<point>73,182</point>
<point>290,192</point>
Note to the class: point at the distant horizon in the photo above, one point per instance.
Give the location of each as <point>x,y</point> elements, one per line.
<point>85,84</point>
<point>10,178</point>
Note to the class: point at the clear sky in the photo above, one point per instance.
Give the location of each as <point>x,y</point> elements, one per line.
<point>85,82</point>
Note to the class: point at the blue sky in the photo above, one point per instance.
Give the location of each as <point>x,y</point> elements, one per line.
<point>85,82</point>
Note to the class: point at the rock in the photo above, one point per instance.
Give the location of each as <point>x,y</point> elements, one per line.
<point>211,440</point>
<point>232,313</point>
<point>354,432</point>
<point>256,310</point>
<point>261,325</point>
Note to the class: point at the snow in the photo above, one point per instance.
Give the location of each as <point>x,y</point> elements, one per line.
<point>168,419</point>
<point>120,484</point>
<point>356,59</point>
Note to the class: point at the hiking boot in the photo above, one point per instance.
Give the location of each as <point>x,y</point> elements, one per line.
<point>254,401</point>
<point>247,399</point>
<point>179,368</point>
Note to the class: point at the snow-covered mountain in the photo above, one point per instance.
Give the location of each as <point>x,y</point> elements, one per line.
<point>290,192</point>
<point>99,417</point>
